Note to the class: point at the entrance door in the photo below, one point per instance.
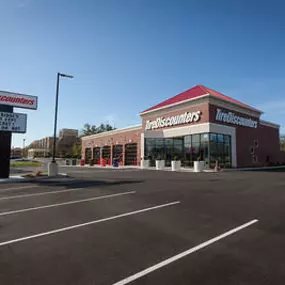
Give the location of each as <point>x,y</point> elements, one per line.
<point>131,154</point>
<point>96,155</point>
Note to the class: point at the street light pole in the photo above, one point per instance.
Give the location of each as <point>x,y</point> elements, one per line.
<point>55,119</point>
<point>53,166</point>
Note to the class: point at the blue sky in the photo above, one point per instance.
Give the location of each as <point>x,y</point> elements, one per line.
<point>127,55</point>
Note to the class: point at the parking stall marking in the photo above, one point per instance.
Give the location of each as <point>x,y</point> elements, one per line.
<point>42,193</point>
<point>18,188</point>
<point>88,223</point>
<point>66,203</point>
<point>183,254</point>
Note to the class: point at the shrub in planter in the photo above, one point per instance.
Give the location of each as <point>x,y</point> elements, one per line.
<point>159,163</point>
<point>175,164</point>
<point>199,165</point>
<point>144,162</point>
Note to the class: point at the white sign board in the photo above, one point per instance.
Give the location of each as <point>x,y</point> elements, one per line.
<point>13,122</point>
<point>18,100</point>
<point>232,118</point>
<point>185,118</point>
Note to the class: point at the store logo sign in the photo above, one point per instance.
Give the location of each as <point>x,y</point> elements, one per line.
<point>185,118</point>
<point>18,100</point>
<point>232,118</point>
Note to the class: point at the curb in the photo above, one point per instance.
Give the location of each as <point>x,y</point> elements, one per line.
<point>19,179</point>
<point>255,168</point>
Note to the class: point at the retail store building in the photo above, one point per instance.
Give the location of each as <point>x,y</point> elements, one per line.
<point>198,124</point>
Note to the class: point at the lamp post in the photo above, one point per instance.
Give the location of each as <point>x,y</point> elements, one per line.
<point>52,171</point>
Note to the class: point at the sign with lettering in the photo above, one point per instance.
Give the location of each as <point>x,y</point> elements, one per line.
<point>232,118</point>
<point>13,122</point>
<point>18,100</point>
<point>185,118</point>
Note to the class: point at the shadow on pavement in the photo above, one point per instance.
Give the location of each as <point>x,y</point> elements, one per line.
<point>80,183</point>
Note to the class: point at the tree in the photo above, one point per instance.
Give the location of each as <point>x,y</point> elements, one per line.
<point>93,129</point>
<point>76,151</point>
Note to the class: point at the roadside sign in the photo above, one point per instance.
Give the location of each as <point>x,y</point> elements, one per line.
<point>18,100</point>
<point>13,122</point>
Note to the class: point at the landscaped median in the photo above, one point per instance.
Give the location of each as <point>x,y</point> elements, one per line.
<point>25,163</point>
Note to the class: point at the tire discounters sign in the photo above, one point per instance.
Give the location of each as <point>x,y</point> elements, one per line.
<point>185,118</point>
<point>232,118</point>
<point>18,100</point>
<point>13,122</point>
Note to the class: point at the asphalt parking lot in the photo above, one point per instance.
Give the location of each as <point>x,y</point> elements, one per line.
<point>144,227</point>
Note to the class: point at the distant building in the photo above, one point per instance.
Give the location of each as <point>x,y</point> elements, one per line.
<point>64,144</point>
<point>46,143</point>
<point>66,140</point>
<point>16,152</point>
<point>38,152</point>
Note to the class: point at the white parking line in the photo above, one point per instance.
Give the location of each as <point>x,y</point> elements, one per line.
<point>183,254</point>
<point>42,193</point>
<point>88,223</point>
<point>18,188</point>
<point>66,203</point>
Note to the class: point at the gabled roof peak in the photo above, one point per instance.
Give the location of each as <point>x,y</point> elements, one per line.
<point>195,93</point>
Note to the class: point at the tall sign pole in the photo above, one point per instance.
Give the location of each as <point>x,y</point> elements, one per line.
<point>5,146</point>
<point>11,122</point>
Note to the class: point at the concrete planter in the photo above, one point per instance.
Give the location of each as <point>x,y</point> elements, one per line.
<point>52,169</point>
<point>144,163</point>
<point>199,166</point>
<point>159,164</point>
<point>175,165</point>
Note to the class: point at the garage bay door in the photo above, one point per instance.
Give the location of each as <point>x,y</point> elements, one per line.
<point>131,154</point>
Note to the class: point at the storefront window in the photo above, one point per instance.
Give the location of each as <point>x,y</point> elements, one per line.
<point>188,162</point>
<point>213,137</point>
<point>220,138</point>
<point>196,147</point>
<point>204,148</point>
<point>220,150</point>
<point>204,138</point>
<point>159,149</point>
<point>168,144</point>
<point>178,148</point>
<point>150,150</point>
<point>208,147</point>
<point>195,139</point>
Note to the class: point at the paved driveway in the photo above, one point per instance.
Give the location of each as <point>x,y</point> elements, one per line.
<point>144,227</point>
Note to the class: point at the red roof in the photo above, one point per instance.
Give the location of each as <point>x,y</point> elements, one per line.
<point>196,92</point>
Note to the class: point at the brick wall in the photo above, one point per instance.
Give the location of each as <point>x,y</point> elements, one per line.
<point>120,138</point>
<point>255,146</point>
